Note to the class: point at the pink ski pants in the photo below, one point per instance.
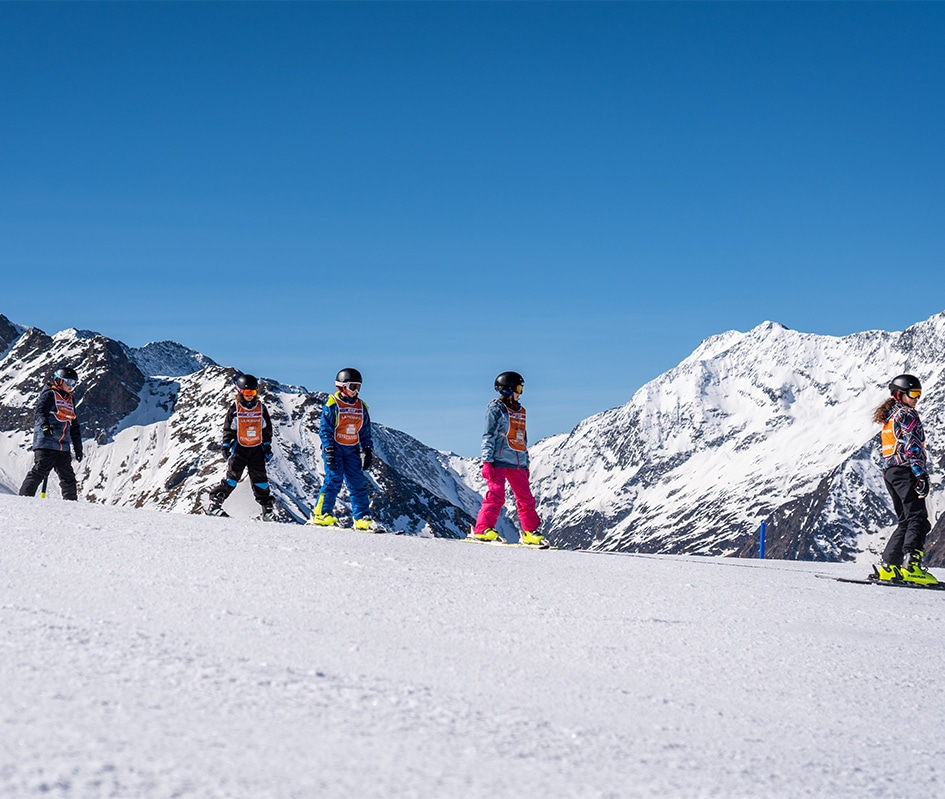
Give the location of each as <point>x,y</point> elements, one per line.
<point>496,477</point>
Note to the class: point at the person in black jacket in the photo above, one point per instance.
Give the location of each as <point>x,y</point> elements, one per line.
<point>55,428</point>
<point>247,444</point>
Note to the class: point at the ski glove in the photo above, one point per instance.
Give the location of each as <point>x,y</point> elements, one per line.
<point>228,448</point>
<point>267,451</point>
<point>331,460</point>
<point>78,454</point>
<point>922,486</point>
<point>367,458</point>
<point>47,429</point>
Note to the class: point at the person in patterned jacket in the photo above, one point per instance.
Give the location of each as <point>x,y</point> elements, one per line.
<point>906,473</point>
<point>55,427</point>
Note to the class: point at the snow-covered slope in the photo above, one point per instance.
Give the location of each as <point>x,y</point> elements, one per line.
<point>770,425</point>
<point>152,655</point>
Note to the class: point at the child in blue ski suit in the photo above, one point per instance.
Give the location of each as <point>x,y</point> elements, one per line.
<point>345,433</point>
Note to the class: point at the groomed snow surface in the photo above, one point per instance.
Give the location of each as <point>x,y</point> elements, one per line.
<point>146,654</point>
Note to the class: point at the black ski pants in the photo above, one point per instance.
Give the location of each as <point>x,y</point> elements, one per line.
<point>243,458</point>
<point>44,461</point>
<point>912,514</point>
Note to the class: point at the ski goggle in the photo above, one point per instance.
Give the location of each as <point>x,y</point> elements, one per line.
<point>66,381</point>
<point>914,393</point>
<point>352,387</point>
<point>249,393</point>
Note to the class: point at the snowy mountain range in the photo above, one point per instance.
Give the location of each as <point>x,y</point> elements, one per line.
<point>154,414</point>
<point>770,425</point>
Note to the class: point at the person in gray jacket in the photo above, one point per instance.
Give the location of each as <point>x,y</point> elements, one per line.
<point>56,433</point>
<point>505,459</point>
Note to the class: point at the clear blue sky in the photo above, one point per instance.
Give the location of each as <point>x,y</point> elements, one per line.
<point>437,192</point>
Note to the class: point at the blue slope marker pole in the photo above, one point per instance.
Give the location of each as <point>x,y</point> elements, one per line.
<point>761,541</point>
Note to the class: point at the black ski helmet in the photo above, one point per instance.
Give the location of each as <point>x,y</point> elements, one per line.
<point>247,383</point>
<point>349,375</point>
<point>65,373</point>
<point>904,383</point>
<point>507,382</point>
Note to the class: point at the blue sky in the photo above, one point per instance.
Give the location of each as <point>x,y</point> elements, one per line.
<point>437,192</point>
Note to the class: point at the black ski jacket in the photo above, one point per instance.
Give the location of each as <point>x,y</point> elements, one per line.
<point>50,413</point>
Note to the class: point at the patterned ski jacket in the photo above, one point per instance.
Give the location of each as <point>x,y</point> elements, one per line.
<point>504,441</point>
<point>55,410</point>
<point>903,440</point>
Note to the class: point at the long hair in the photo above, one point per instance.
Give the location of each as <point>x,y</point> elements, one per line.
<point>881,414</point>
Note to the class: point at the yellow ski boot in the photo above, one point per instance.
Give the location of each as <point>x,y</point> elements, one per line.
<point>487,535</point>
<point>913,572</point>
<point>320,519</point>
<point>886,573</point>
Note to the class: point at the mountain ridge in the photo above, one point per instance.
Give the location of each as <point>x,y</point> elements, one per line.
<point>150,438</point>
<point>750,427</point>
<point>769,425</point>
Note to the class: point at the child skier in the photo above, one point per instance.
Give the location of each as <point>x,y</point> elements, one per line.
<point>505,458</point>
<point>345,433</point>
<point>247,444</point>
<point>905,471</point>
<point>55,425</point>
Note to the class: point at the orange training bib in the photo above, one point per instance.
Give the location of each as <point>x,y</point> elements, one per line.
<point>249,424</point>
<point>516,434</point>
<point>348,424</point>
<point>65,410</point>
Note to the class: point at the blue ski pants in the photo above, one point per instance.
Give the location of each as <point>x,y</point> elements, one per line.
<point>349,471</point>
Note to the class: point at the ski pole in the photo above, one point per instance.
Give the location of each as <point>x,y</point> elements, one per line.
<point>42,491</point>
